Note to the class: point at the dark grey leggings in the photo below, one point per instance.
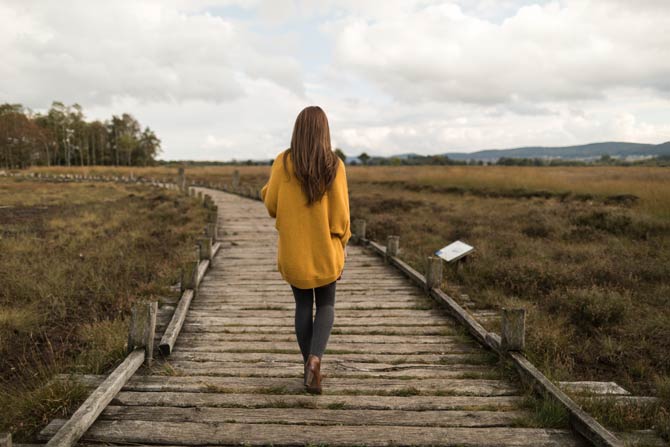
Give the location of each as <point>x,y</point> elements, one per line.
<point>313,335</point>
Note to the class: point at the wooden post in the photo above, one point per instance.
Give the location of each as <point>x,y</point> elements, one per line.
<point>208,202</point>
<point>205,245</point>
<point>359,230</point>
<point>200,197</point>
<point>181,179</point>
<point>211,231</point>
<point>189,272</point>
<point>212,215</point>
<point>392,245</point>
<point>236,179</point>
<point>513,328</point>
<point>143,329</point>
<point>433,272</point>
<point>189,275</point>
<point>5,440</point>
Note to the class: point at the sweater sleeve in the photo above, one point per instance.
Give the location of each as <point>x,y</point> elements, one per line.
<point>339,207</point>
<point>270,192</point>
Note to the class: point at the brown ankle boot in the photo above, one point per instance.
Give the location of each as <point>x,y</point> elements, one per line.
<point>313,374</point>
<point>304,374</point>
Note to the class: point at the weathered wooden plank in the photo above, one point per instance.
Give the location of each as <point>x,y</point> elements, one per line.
<point>368,283</point>
<point>250,357</point>
<point>194,433</point>
<point>590,387</point>
<point>215,296</point>
<point>310,416</point>
<point>281,385</point>
<point>348,330</point>
<point>176,399</point>
<point>284,306</point>
<point>295,369</point>
<point>260,287</point>
<point>378,348</point>
<point>288,337</point>
<point>176,323</point>
<point>334,338</point>
<point>339,321</point>
<point>71,430</point>
<point>343,313</point>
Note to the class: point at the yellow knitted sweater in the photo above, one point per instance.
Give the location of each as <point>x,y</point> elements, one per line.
<point>311,238</point>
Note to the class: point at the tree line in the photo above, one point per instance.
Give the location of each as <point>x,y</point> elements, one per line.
<point>63,137</point>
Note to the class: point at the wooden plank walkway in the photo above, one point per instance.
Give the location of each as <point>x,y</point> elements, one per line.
<point>397,370</point>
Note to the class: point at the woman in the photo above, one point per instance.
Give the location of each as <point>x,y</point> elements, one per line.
<point>307,195</point>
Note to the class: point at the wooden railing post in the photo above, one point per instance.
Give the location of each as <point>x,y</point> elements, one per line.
<point>513,329</point>
<point>433,272</point>
<point>142,329</point>
<point>200,197</point>
<point>213,215</point>
<point>189,272</point>
<point>392,245</point>
<point>358,230</point>
<point>205,245</point>
<point>5,440</point>
<point>181,179</point>
<point>208,202</point>
<point>211,231</point>
<point>236,179</point>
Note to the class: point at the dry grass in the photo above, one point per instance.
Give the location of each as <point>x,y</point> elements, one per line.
<point>75,257</point>
<point>584,249</point>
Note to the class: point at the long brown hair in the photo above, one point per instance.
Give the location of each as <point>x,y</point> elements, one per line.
<point>314,162</point>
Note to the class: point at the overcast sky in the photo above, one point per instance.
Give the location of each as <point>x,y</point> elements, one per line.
<point>219,80</point>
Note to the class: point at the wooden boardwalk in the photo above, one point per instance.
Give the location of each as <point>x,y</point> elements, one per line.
<point>397,370</point>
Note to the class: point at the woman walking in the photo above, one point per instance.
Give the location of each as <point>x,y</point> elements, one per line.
<point>307,195</point>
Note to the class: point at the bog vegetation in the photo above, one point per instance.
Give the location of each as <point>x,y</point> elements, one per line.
<point>586,250</point>
<point>73,259</point>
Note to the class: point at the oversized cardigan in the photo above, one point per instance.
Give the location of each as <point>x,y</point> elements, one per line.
<point>312,238</point>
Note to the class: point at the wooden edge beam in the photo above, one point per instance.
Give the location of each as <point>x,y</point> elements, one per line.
<point>179,316</point>
<point>88,412</point>
<point>176,322</point>
<point>580,420</point>
<point>202,269</point>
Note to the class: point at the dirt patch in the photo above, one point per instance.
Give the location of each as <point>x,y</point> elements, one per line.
<point>11,215</point>
<point>394,205</point>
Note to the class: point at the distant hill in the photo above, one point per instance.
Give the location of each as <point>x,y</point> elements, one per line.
<point>584,151</point>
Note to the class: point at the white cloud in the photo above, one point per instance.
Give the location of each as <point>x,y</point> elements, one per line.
<point>576,50</point>
<point>95,52</point>
<point>223,79</point>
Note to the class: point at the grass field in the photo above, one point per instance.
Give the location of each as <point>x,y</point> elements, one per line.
<point>73,259</point>
<point>586,250</point>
